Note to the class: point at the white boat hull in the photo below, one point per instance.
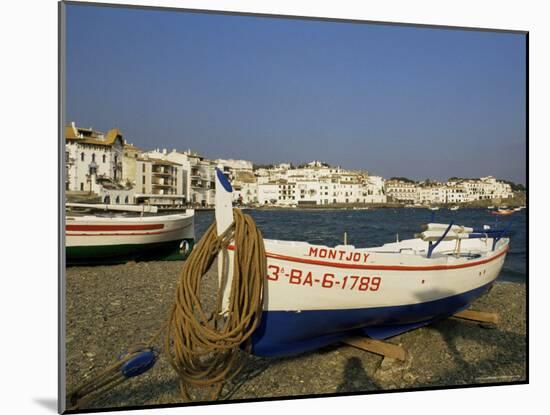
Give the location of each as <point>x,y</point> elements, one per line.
<point>95,239</point>
<point>315,295</point>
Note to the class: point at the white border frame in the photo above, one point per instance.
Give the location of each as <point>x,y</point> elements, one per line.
<point>29,31</point>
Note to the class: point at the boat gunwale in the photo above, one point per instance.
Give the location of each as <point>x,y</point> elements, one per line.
<point>91,219</point>
<point>381,267</point>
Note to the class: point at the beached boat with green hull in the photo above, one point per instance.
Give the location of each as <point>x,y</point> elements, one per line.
<point>111,234</point>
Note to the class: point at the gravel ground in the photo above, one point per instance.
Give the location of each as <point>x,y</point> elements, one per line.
<point>112,307</point>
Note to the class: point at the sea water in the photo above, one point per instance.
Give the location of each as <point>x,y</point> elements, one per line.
<point>374,227</point>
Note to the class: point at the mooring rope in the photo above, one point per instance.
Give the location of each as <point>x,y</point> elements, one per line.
<point>202,347</point>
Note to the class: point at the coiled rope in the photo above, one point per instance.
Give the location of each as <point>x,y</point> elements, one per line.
<point>202,347</point>
<point>202,350</point>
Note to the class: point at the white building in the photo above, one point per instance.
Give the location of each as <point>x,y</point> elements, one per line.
<point>231,167</point>
<point>318,184</point>
<point>130,154</point>
<point>89,152</point>
<point>245,188</point>
<point>402,190</point>
<point>198,172</point>
<point>485,188</point>
<point>306,192</point>
<point>268,193</point>
<point>375,190</point>
<point>455,191</point>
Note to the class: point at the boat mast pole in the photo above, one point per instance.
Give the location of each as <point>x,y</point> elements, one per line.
<point>224,219</point>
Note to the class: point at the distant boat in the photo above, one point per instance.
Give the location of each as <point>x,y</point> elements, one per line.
<point>454,208</point>
<point>517,209</point>
<point>490,207</point>
<point>433,208</point>
<point>112,234</point>
<point>502,212</point>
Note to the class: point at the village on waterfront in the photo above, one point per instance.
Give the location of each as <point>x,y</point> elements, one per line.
<point>105,168</point>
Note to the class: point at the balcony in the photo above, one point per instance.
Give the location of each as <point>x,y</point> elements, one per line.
<point>164,185</point>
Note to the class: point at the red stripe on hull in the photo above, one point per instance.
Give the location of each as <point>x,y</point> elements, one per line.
<point>379,267</point>
<point>144,227</point>
<point>126,234</point>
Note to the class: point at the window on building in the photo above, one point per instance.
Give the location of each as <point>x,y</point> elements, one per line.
<point>143,168</point>
<point>81,186</point>
<point>104,158</point>
<point>117,200</point>
<point>126,200</point>
<point>93,157</point>
<point>82,156</point>
<point>143,180</point>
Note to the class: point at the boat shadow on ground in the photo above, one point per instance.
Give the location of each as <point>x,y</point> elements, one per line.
<point>477,353</point>
<point>505,352</point>
<point>356,378</point>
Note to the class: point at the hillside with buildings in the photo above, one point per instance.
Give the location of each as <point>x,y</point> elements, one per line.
<point>105,167</point>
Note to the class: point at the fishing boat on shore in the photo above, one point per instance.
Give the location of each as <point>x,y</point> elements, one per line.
<point>111,234</point>
<point>315,295</point>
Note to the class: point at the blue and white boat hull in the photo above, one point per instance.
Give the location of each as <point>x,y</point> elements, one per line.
<point>311,301</point>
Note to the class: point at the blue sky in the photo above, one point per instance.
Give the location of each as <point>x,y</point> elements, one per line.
<point>394,100</point>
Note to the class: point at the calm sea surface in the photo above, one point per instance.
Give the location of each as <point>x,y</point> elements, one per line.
<point>375,227</point>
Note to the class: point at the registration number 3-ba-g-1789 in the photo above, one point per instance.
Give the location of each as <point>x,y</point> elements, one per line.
<point>326,280</point>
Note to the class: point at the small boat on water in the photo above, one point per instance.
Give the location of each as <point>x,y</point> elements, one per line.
<point>490,207</point>
<point>433,208</point>
<point>502,212</point>
<point>454,208</point>
<point>315,295</point>
<point>111,234</point>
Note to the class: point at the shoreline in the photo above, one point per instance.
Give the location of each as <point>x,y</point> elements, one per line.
<point>485,204</point>
<point>347,207</point>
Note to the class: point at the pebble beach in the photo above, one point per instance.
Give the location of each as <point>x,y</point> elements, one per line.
<point>109,308</point>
